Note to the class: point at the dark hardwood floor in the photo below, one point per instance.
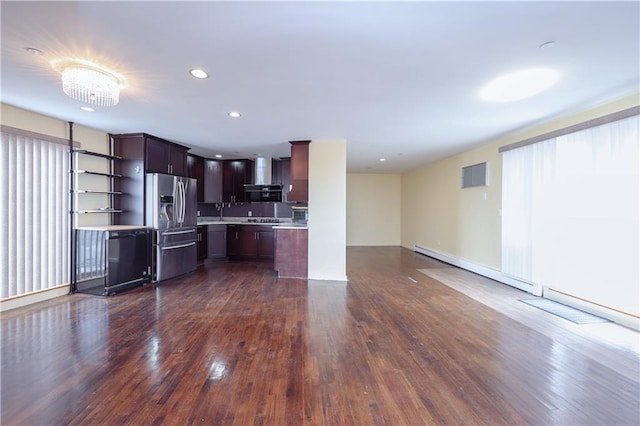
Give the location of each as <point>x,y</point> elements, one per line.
<point>232,344</point>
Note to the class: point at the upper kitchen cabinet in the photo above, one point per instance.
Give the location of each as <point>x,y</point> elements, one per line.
<point>142,153</point>
<point>281,175</point>
<point>299,172</point>
<point>195,170</point>
<point>165,157</point>
<point>213,181</point>
<point>157,155</point>
<point>236,173</point>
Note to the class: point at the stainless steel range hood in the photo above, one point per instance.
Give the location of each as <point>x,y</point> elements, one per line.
<point>262,171</point>
<point>262,190</point>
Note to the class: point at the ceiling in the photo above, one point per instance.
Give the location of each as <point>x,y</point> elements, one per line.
<point>397,80</point>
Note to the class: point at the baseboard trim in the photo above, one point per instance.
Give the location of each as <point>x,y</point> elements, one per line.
<point>33,297</point>
<point>485,271</point>
<point>619,317</point>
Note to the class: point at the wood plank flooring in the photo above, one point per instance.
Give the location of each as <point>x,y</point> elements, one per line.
<point>232,344</point>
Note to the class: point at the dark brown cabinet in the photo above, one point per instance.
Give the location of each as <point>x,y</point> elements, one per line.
<point>213,181</point>
<point>281,175</point>
<point>202,242</point>
<point>250,242</point>
<point>235,174</point>
<point>217,241</point>
<point>299,172</point>
<point>195,170</point>
<point>165,157</point>
<point>142,153</point>
<point>266,244</point>
<point>233,241</point>
<point>291,253</point>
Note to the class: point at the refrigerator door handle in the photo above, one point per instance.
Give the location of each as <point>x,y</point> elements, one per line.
<point>184,201</point>
<point>179,232</point>
<point>179,203</point>
<point>178,246</point>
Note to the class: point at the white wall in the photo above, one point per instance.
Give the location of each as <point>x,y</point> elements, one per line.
<point>373,209</point>
<point>327,209</point>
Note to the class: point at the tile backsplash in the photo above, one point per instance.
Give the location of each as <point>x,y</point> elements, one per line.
<point>280,210</point>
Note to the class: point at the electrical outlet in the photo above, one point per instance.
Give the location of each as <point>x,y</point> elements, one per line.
<point>198,213</point>
<point>250,213</point>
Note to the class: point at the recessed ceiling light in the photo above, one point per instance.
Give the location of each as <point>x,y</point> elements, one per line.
<point>234,114</point>
<point>33,51</point>
<point>218,156</point>
<point>198,73</point>
<point>88,109</point>
<point>547,45</point>
<point>519,85</point>
<point>383,159</point>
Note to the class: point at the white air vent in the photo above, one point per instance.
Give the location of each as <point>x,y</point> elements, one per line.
<point>475,175</point>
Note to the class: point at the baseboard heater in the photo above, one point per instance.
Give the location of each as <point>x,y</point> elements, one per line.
<point>485,271</point>
<point>618,317</point>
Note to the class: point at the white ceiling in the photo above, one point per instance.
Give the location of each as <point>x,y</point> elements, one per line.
<point>398,80</point>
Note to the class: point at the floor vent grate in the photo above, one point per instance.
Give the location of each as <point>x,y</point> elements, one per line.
<point>563,311</point>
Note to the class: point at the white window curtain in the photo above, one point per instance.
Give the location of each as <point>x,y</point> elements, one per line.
<point>570,214</point>
<point>34,218</point>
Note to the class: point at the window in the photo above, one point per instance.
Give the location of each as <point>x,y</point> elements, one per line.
<point>34,218</point>
<point>570,213</point>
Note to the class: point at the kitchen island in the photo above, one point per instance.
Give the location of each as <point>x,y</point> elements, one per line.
<point>291,250</point>
<point>287,240</point>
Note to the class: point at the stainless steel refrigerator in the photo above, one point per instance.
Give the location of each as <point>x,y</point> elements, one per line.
<point>171,211</point>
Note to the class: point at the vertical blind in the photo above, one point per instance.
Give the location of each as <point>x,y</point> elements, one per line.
<point>570,214</point>
<point>34,218</point>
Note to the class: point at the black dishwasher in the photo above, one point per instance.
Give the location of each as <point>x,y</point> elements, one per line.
<point>111,259</point>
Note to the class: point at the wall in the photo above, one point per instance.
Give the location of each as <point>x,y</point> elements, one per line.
<point>90,139</point>
<point>437,214</point>
<point>373,209</point>
<point>465,223</point>
<point>327,209</point>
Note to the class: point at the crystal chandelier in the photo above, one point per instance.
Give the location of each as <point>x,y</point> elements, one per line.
<point>89,83</point>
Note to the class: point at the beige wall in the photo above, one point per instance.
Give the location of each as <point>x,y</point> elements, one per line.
<point>437,214</point>
<point>373,209</point>
<point>90,139</point>
<point>327,210</point>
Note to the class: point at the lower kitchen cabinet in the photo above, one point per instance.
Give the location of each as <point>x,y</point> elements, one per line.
<point>217,241</point>
<point>266,244</point>
<point>202,242</point>
<point>250,242</point>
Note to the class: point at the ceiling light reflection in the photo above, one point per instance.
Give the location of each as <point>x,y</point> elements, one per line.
<point>519,85</point>
<point>154,354</point>
<point>198,73</point>
<point>218,370</point>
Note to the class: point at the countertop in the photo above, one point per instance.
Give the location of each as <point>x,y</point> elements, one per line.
<point>284,224</point>
<point>111,227</point>
<point>290,226</point>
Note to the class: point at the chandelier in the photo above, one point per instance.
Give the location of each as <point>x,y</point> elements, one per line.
<point>89,83</point>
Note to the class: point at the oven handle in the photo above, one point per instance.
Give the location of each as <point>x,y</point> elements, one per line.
<point>177,247</point>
